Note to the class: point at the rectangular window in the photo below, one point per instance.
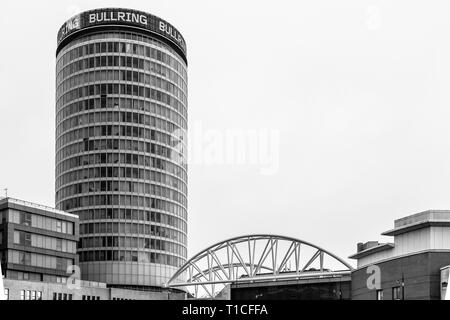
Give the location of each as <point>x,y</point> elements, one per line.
<point>397,293</point>
<point>55,296</point>
<point>33,295</point>
<point>22,294</point>
<point>7,294</point>
<point>25,258</point>
<point>16,237</point>
<point>27,239</point>
<point>48,224</point>
<point>70,228</point>
<point>61,263</point>
<point>14,216</point>
<point>58,226</point>
<point>27,295</point>
<point>39,295</point>
<point>380,295</point>
<point>59,244</point>
<point>25,218</point>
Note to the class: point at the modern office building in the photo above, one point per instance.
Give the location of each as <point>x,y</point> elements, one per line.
<point>413,267</point>
<point>37,243</point>
<point>82,290</point>
<point>121,122</point>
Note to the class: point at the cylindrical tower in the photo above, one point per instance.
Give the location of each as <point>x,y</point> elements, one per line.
<point>121,122</point>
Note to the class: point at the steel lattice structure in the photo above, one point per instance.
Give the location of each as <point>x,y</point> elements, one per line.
<point>255,258</point>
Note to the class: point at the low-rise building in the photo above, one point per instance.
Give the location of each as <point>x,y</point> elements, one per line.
<point>39,260</point>
<point>37,243</point>
<point>409,268</point>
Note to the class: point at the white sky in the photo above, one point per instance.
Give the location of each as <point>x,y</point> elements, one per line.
<point>359,91</point>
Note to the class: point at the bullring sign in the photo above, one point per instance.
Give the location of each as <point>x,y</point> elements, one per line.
<point>122,17</point>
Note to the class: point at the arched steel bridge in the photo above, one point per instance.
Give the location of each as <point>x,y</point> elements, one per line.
<point>255,258</point>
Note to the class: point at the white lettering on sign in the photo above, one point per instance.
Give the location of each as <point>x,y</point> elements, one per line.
<point>374,281</point>
<point>170,31</point>
<point>70,25</point>
<point>74,23</point>
<point>119,17</point>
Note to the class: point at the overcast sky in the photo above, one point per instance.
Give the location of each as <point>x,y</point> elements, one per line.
<point>358,92</point>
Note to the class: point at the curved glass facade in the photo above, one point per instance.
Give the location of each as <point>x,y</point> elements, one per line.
<point>121,122</point>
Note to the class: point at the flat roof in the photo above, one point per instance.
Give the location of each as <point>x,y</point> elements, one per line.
<point>37,206</point>
<point>419,221</point>
<point>372,250</point>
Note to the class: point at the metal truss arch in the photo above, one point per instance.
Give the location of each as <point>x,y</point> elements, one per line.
<point>253,258</point>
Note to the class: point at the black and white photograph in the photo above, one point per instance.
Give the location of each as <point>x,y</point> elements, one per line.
<point>219,156</point>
